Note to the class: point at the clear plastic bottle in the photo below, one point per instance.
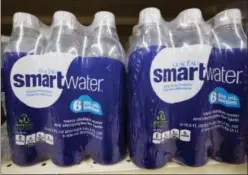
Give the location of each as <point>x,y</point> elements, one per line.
<point>228,30</point>
<point>144,106</point>
<point>189,28</point>
<point>190,37</point>
<point>230,55</point>
<point>25,40</point>
<point>65,39</point>
<point>25,37</point>
<point>104,39</point>
<point>135,36</point>
<point>106,59</point>
<point>151,29</point>
<point>65,36</point>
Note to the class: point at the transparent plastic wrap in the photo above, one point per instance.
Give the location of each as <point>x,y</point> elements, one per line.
<point>4,42</point>
<point>64,90</point>
<point>228,96</point>
<point>188,89</point>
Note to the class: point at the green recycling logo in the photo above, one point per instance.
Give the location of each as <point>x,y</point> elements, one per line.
<point>161,121</point>
<point>161,116</point>
<point>24,119</point>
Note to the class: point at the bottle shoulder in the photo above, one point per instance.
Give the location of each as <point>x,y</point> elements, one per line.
<point>105,46</point>
<point>229,36</point>
<point>64,43</point>
<point>26,44</point>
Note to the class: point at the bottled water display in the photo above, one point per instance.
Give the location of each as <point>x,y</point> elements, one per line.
<point>185,98</point>
<point>187,82</point>
<point>64,90</point>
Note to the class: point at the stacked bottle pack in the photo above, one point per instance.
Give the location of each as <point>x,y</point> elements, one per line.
<point>187,89</point>
<point>64,88</point>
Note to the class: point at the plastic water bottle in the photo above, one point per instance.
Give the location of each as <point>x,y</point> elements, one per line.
<point>190,36</point>
<point>52,92</point>
<point>134,38</point>
<point>230,54</point>
<point>106,59</point>
<point>65,40</point>
<point>151,29</point>
<point>228,30</point>
<point>145,108</point>
<point>23,121</point>
<point>189,28</point>
<point>104,39</point>
<point>4,42</point>
<point>25,37</point>
<point>65,36</point>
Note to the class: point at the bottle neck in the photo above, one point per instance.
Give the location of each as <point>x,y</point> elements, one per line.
<point>65,40</point>
<point>25,39</point>
<point>234,28</point>
<point>230,35</point>
<point>21,32</point>
<point>106,31</point>
<point>63,30</point>
<point>149,28</point>
<point>152,34</point>
<point>191,35</point>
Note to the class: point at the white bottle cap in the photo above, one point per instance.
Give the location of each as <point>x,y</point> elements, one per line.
<point>25,20</point>
<point>228,17</point>
<point>64,18</point>
<point>189,17</point>
<point>104,18</point>
<point>149,15</point>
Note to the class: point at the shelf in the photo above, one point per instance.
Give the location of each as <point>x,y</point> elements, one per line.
<point>123,167</point>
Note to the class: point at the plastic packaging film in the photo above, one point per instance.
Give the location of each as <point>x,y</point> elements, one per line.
<point>187,89</point>
<point>66,89</point>
<point>4,42</point>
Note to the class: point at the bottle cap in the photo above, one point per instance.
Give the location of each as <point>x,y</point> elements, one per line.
<point>104,18</point>
<point>149,15</point>
<point>189,17</point>
<point>25,20</point>
<point>64,18</point>
<point>228,17</point>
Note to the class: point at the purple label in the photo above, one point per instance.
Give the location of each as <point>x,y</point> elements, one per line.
<point>188,126</point>
<point>85,119</point>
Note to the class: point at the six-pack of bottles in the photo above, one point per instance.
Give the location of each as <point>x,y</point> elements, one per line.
<point>187,81</point>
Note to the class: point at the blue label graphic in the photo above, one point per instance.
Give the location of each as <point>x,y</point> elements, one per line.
<point>93,85</point>
<point>85,104</point>
<point>222,97</point>
<point>211,130</point>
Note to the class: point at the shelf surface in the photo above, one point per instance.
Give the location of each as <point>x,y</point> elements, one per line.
<point>123,167</point>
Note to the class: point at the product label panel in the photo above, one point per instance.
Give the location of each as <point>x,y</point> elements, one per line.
<point>179,97</point>
<point>66,103</point>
